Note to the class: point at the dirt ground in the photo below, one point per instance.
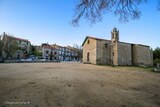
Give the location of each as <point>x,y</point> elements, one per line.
<point>77,85</point>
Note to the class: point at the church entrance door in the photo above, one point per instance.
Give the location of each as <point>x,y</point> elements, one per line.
<point>87,56</point>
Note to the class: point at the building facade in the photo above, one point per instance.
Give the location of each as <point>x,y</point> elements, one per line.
<point>66,53</point>
<point>114,52</point>
<point>22,47</point>
<point>50,53</point>
<point>73,53</point>
<point>61,51</point>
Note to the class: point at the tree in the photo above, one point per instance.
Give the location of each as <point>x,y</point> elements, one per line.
<point>10,46</point>
<point>79,50</point>
<point>93,9</point>
<point>34,51</point>
<point>156,55</point>
<point>1,48</point>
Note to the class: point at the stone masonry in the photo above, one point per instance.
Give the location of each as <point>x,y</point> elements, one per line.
<point>114,52</point>
<point>90,48</point>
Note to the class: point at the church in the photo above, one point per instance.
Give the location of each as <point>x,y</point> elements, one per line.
<point>114,52</point>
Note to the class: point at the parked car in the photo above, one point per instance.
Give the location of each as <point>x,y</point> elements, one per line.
<point>41,59</point>
<point>1,59</point>
<point>32,58</point>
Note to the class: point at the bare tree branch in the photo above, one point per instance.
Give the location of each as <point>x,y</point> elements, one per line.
<point>93,10</point>
<point>158,7</point>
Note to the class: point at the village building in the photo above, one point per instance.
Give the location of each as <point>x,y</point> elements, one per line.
<point>61,51</point>
<point>73,53</point>
<point>66,53</point>
<point>22,46</point>
<point>50,53</point>
<point>115,52</point>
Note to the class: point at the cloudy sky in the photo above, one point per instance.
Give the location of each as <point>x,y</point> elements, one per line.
<point>42,21</point>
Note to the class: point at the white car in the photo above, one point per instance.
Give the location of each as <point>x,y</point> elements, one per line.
<point>41,59</point>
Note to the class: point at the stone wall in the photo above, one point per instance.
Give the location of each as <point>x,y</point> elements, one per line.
<point>99,52</point>
<point>119,53</point>
<point>106,52</point>
<point>91,48</point>
<point>142,55</point>
<point>124,54</point>
<point>103,52</point>
<point>114,52</point>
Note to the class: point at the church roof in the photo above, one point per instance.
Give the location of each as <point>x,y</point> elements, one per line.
<point>49,47</point>
<point>19,39</point>
<point>134,44</point>
<point>95,39</point>
<point>110,41</point>
<point>114,29</point>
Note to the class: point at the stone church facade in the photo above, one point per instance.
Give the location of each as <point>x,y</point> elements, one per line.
<point>114,52</point>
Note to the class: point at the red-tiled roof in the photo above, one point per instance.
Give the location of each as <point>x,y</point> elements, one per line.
<point>110,41</point>
<point>95,39</point>
<point>99,38</point>
<point>48,46</point>
<point>20,39</point>
<point>134,44</point>
<point>72,48</point>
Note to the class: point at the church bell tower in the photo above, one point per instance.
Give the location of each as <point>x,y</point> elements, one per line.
<point>114,48</point>
<point>115,35</point>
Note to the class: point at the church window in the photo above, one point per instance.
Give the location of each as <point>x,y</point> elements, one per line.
<point>47,52</point>
<point>106,45</point>
<point>55,53</point>
<point>88,42</point>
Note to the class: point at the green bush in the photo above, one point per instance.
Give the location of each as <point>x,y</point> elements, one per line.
<point>155,61</point>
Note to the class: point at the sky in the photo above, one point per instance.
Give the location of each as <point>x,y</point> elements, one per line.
<point>49,21</point>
